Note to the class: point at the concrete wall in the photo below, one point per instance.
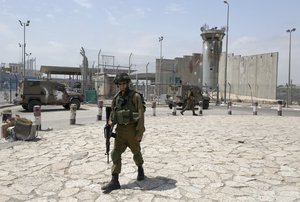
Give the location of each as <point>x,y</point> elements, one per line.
<point>164,75</point>
<point>187,69</point>
<point>250,77</point>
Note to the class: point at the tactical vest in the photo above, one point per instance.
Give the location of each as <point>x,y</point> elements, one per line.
<point>124,111</point>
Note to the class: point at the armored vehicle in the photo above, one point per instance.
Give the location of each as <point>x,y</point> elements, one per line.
<point>45,92</point>
<point>178,94</point>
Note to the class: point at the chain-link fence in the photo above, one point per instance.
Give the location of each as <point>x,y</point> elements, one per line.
<point>8,88</point>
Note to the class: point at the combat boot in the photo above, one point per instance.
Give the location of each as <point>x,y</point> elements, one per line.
<point>141,175</point>
<point>113,184</point>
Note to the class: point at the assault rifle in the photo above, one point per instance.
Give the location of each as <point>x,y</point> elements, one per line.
<point>108,132</point>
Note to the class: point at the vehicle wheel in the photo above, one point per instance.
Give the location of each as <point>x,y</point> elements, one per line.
<point>25,106</point>
<point>32,103</point>
<point>75,101</point>
<point>205,104</point>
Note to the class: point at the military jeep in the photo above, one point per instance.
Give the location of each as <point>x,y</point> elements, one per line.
<point>45,92</point>
<point>178,94</point>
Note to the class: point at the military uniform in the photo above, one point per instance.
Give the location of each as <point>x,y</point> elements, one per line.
<point>190,103</point>
<point>128,116</point>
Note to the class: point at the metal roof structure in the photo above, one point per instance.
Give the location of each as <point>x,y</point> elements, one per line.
<point>60,70</point>
<point>64,70</point>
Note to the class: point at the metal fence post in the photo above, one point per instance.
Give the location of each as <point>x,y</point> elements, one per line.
<point>100,107</point>
<point>154,108</point>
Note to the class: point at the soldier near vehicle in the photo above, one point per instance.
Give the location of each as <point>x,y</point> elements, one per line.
<point>190,103</point>
<point>178,94</point>
<point>128,116</point>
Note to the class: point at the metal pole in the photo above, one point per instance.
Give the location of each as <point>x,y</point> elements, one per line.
<point>27,54</point>
<point>289,97</point>
<point>226,56</point>
<point>160,39</point>
<point>136,81</point>
<point>24,46</point>
<point>146,94</point>
<point>21,46</point>
<point>35,66</point>
<point>129,65</point>
<point>98,61</point>
<point>24,24</point>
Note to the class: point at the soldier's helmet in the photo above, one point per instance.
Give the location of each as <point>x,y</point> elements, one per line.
<point>121,77</point>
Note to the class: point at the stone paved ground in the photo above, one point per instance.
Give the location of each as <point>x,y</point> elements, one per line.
<point>187,158</point>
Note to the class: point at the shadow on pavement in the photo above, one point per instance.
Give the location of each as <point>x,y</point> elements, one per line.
<point>158,183</point>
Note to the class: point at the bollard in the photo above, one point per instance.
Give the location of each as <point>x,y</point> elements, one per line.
<point>174,108</point>
<point>255,104</point>
<point>100,107</point>
<point>154,108</point>
<point>200,108</point>
<point>37,117</point>
<point>6,114</point>
<point>279,112</point>
<point>229,105</point>
<point>73,109</point>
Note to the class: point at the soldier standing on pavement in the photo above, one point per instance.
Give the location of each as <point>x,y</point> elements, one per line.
<point>190,104</point>
<point>128,114</point>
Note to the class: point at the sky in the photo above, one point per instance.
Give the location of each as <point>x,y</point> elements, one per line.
<point>120,28</point>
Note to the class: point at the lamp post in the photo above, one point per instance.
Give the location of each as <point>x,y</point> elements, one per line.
<point>27,54</point>
<point>160,39</point>
<point>289,93</point>
<point>226,56</point>
<point>24,24</point>
<point>20,69</point>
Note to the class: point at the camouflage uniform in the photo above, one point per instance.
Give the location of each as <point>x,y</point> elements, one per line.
<point>128,114</point>
<point>130,132</point>
<point>190,104</point>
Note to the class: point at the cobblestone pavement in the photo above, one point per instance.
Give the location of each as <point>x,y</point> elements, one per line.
<point>187,158</point>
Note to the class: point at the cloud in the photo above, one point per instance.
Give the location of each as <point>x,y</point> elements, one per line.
<point>84,3</point>
<point>56,45</point>
<point>175,8</point>
<point>112,19</point>
<point>50,15</point>
<point>5,31</point>
<point>142,12</point>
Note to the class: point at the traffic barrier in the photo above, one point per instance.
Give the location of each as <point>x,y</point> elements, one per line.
<point>73,109</point>
<point>200,108</point>
<point>37,117</point>
<point>153,106</point>
<point>6,114</point>
<point>100,108</point>
<point>279,111</point>
<point>174,108</point>
<point>255,104</point>
<point>229,105</point>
